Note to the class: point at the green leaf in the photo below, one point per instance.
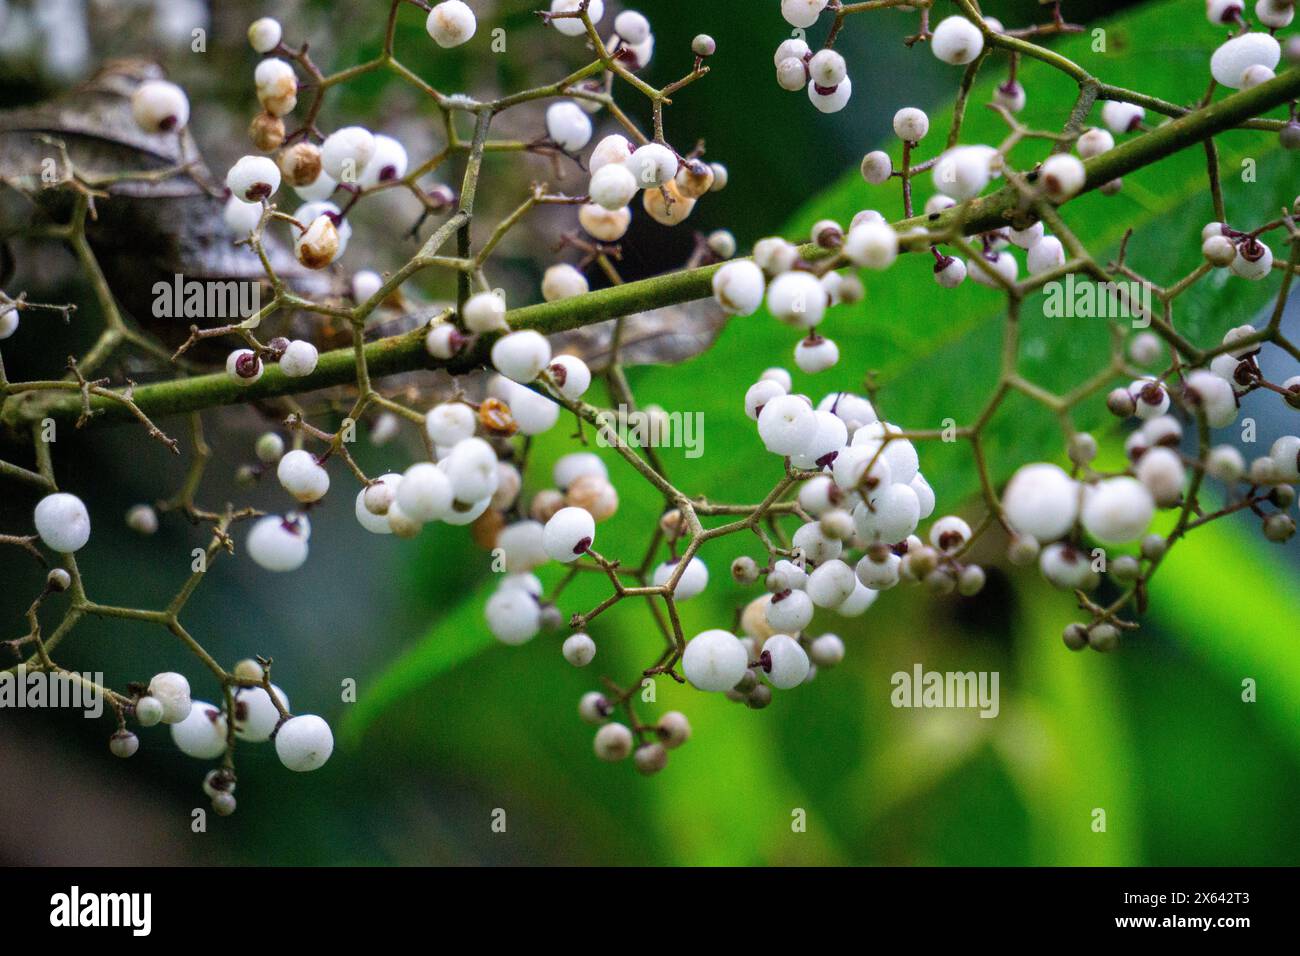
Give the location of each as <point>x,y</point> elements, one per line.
<point>456,637</point>
<point>1065,738</point>
<point>1211,592</point>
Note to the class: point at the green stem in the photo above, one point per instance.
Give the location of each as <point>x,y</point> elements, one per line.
<point>405,353</point>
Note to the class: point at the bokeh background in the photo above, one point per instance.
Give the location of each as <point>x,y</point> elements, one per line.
<point>449,727</point>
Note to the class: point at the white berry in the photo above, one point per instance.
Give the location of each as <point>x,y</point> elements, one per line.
<point>1254,260</point>
<point>304,743</point>
<point>451,23</point>
<point>893,514</point>
<point>833,99</point>
<point>450,423</point>
<point>877,167</point>
<point>785,661</point>
<point>1044,255</point>
<point>950,272</point>
<point>424,493</point>
<point>1162,472</point>
<point>950,534</point>
<point>632,27</point>
<point>521,356</point>
<point>613,742</point>
<point>569,468</point>
<point>302,476</point>
<point>911,124</point>
<point>827,68</point>
<point>572,26</point>
<point>278,544</point>
<point>253,178</point>
<point>816,354</point>
<point>715,660</point>
<point>831,584</point>
<point>1231,60</point>
<point>871,245</point>
<point>1042,501</point>
<point>513,616</point>
<point>387,164</point>
<point>346,152</point>
<point>256,715</point>
<point>563,281</point>
<point>613,149</point>
<point>1062,176</point>
<point>956,40</point>
<point>1285,454</point>
<point>264,34</point>
<point>802,13</point>
<point>277,86</point>
<point>786,424</point>
<point>1214,396</point>
<point>568,125</point>
<point>858,602</point>
<point>790,611</point>
<point>579,649</point>
<point>299,359</point>
<point>568,535</point>
<point>240,217</point>
<point>62,522</point>
<point>571,376</point>
<point>694,579</point>
<point>879,575</point>
<point>798,299</point>
<point>792,74</point>
<point>612,187</point>
<point>521,546</point>
<point>160,107</point>
<point>149,710</point>
<point>172,692</point>
<point>1094,142</point>
<point>1117,510</point>
<point>653,164</point>
<point>202,733</point>
<point>381,496</point>
<point>738,287</point>
<point>1122,117</point>
<point>1275,14</point>
<point>485,312</point>
<point>963,172</point>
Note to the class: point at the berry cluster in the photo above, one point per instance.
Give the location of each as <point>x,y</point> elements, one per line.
<point>849,514</point>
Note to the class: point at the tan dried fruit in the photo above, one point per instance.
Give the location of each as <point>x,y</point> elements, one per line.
<point>495,417</point>
<point>667,206</point>
<point>486,527</point>
<point>595,495</point>
<point>544,505</point>
<point>300,164</point>
<point>317,247</point>
<point>266,132</point>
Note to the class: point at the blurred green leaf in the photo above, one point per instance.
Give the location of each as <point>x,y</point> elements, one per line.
<point>1211,593</point>
<point>456,637</point>
<point>1067,741</point>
